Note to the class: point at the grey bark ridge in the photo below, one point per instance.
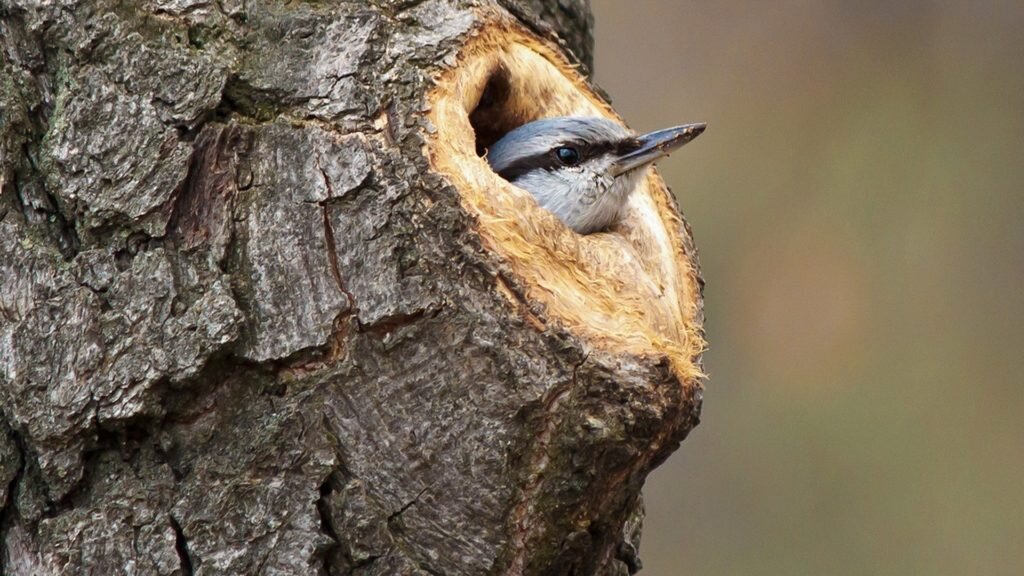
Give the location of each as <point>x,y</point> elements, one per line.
<point>245,330</point>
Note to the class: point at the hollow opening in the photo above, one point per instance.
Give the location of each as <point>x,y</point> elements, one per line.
<point>631,289</point>
<point>514,86</point>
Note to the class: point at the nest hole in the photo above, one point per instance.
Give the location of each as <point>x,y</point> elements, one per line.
<point>513,88</point>
<point>629,290</point>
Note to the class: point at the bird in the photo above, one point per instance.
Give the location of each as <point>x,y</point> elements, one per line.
<point>582,169</point>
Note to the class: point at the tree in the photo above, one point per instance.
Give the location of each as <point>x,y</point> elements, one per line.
<point>264,309</point>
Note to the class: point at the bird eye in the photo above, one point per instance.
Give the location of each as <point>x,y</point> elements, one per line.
<point>568,155</point>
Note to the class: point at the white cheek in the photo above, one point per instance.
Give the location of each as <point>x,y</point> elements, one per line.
<point>586,189</point>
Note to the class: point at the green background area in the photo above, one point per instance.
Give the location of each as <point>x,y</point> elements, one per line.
<point>858,202</point>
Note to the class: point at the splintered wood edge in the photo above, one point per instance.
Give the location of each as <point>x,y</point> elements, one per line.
<point>630,290</point>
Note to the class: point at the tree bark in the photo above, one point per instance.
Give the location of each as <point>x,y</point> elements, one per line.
<point>251,321</point>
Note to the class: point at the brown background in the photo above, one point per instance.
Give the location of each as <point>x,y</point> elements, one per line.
<point>858,202</point>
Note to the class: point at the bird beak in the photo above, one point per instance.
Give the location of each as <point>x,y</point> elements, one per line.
<point>655,145</point>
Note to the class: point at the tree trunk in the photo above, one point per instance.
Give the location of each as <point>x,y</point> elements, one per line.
<point>263,308</point>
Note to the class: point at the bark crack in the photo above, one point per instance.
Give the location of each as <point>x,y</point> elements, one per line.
<point>323,508</point>
<point>394,322</point>
<point>332,251</point>
<point>181,546</point>
<point>7,508</point>
<point>398,513</point>
<point>332,256</point>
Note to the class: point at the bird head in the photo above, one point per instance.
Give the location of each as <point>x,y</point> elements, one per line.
<point>582,169</point>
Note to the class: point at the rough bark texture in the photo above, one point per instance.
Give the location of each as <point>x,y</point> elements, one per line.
<point>245,328</point>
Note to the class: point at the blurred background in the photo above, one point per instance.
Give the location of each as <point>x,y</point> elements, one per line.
<point>858,202</point>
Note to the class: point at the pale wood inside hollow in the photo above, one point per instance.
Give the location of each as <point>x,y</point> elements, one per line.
<point>633,289</point>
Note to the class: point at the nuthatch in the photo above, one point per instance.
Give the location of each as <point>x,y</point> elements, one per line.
<point>582,169</point>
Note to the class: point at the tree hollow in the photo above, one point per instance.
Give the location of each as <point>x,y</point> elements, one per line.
<point>634,289</point>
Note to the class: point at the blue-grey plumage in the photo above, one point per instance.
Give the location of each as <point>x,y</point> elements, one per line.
<point>582,169</point>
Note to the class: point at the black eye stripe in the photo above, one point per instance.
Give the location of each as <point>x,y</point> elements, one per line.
<point>528,164</point>
<point>548,160</point>
<point>618,147</point>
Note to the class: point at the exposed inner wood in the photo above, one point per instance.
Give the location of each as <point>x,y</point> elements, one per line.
<point>633,289</point>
